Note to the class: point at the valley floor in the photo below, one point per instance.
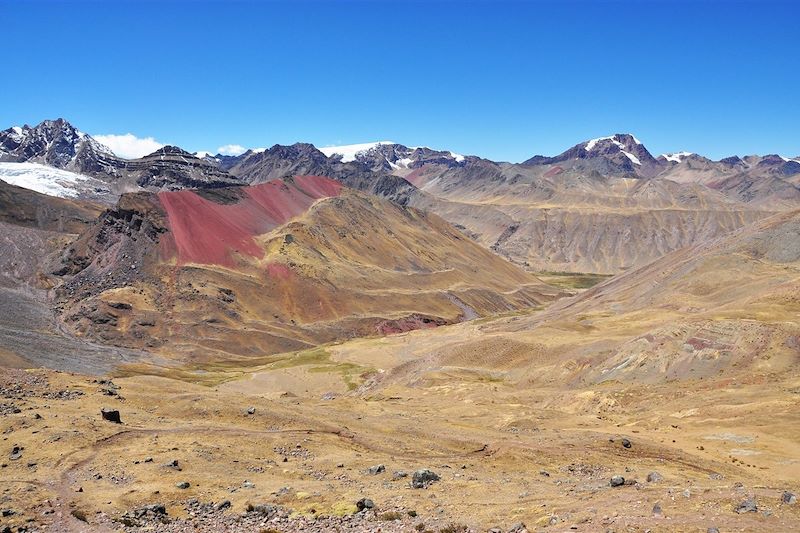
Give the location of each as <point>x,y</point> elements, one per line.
<point>506,455</point>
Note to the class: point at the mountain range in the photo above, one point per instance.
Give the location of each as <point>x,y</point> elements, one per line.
<point>294,331</point>
<point>604,205</point>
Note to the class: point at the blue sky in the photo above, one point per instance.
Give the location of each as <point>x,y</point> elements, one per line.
<point>505,80</point>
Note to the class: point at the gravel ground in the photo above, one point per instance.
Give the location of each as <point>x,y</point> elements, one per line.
<point>213,517</point>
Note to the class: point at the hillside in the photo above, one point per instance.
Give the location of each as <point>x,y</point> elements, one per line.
<point>680,376</point>
<point>274,267</point>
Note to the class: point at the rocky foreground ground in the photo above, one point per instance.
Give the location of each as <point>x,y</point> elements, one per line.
<point>185,457</point>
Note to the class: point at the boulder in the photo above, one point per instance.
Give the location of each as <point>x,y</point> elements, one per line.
<point>747,506</point>
<point>112,415</point>
<point>365,503</point>
<point>654,477</point>
<point>422,478</point>
<point>375,470</point>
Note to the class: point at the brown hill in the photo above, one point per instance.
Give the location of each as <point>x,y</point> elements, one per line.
<point>549,218</point>
<point>273,267</point>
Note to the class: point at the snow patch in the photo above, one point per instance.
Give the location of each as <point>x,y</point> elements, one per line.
<point>613,138</point>
<point>676,157</point>
<point>592,143</point>
<point>458,157</point>
<point>349,152</point>
<point>42,179</point>
<point>632,157</point>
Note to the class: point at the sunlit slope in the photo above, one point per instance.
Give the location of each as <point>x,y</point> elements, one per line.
<point>277,266</point>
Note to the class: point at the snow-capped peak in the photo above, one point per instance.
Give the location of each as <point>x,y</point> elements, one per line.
<point>591,144</point>
<point>349,152</point>
<point>458,157</point>
<point>676,157</point>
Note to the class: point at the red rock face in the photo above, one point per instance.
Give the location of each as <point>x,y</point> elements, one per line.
<point>417,177</point>
<point>206,232</point>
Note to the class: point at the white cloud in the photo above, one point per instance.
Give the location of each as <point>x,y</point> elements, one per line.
<point>231,149</point>
<point>129,145</point>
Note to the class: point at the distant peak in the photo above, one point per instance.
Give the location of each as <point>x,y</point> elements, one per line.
<point>350,151</point>
<point>618,139</point>
<point>625,142</point>
<point>676,157</point>
<point>171,150</point>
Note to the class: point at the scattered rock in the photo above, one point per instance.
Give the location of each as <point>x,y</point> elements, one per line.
<point>173,464</point>
<point>617,481</point>
<point>375,470</point>
<point>654,477</point>
<point>364,503</point>
<point>747,506</point>
<point>7,512</point>
<point>657,512</point>
<point>626,443</point>
<point>223,505</point>
<point>712,530</point>
<point>182,485</point>
<point>251,410</point>
<point>144,516</point>
<point>112,415</point>
<point>789,498</point>
<point>265,509</point>
<point>422,478</point>
<point>16,453</point>
<point>248,484</point>
<point>155,508</point>
<point>399,474</point>
<point>519,527</point>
